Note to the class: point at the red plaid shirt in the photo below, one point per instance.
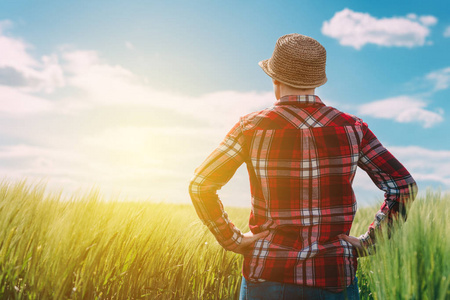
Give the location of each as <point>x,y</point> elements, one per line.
<point>301,157</point>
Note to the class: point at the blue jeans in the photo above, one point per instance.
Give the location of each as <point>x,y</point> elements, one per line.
<point>283,291</point>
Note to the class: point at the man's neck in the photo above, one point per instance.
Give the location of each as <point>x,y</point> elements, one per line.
<point>288,91</point>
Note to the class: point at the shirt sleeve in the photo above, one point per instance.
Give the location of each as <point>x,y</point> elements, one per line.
<point>390,176</point>
<point>210,176</point>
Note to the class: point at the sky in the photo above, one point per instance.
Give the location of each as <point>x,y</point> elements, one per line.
<point>129,97</point>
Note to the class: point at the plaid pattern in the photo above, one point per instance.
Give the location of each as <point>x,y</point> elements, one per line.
<point>301,156</point>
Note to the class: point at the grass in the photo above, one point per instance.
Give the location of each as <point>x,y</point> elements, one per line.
<point>414,263</point>
<point>86,248</point>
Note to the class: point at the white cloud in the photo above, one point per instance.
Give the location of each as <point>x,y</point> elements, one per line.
<point>447,31</point>
<point>30,74</point>
<point>357,29</point>
<point>13,102</point>
<point>403,109</point>
<point>440,78</point>
<point>230,105</point>
<point>425,164</point>
<point>129,45</point>
<point>100,82</point>
<point>103,84</point>
<point>14,50</point>
<point>428,20</point>
<point>20,161</point>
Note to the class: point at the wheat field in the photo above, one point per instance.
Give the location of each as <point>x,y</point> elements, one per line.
<point>88,247</point>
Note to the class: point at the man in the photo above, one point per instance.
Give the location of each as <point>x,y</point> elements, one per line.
<point>301,156</point>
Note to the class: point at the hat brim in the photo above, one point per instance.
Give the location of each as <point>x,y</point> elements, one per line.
<point>264,64</point>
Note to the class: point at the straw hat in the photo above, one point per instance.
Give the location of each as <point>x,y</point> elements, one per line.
<point>298,61</point>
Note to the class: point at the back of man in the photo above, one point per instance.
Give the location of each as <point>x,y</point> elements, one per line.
<point>301,156</point>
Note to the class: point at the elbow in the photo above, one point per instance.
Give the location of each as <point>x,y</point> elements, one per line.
<point>408,191</point>
<point>197,188</point>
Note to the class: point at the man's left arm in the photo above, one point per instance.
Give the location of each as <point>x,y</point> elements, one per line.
<point>210,176</point>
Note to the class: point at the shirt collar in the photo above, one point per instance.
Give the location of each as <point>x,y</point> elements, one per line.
<point>303,100</point>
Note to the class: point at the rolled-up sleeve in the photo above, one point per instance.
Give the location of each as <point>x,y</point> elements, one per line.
<point>390,176</point>
<point>209,177</point>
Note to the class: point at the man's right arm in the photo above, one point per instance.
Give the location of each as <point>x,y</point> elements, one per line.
<point>389,175</point>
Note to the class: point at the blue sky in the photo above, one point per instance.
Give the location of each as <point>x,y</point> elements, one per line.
<point>131,96</point>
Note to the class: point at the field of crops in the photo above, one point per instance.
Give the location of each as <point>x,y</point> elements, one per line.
<point>88,248</point>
